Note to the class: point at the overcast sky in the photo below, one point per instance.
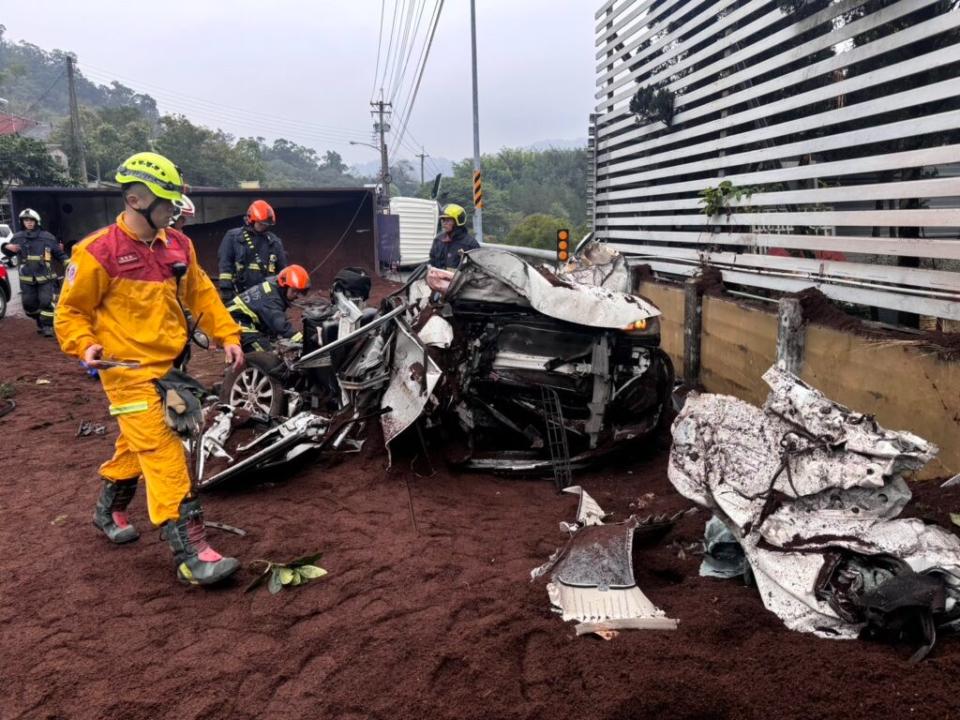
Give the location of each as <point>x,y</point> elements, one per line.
<point>305,70</point>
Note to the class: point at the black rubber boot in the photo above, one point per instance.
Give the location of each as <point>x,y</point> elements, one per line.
<point>110,514</point>
<point>197,562</point>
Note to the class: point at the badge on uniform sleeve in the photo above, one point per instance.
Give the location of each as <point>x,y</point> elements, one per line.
<point>71,273</point>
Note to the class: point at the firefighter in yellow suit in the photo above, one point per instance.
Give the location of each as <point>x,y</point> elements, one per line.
<point>121,300</point>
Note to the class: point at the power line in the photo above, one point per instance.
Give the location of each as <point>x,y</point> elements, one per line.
<point>45,92</point>
<point>386,65</point>
<point>376,71</point>
<point>433,14</point>
<point>416,87</point>
<point>401,59</point>
<point>421,65</point>
<point>413,43</point>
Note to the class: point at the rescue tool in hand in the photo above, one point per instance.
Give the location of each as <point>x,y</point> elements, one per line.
<point>106,364</point>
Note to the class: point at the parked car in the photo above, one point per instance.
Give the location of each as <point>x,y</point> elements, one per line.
<point>5,234</point>
<point>5,292</point>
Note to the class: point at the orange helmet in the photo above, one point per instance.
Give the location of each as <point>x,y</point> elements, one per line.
<point>260,211</point>
<point>294,276</point>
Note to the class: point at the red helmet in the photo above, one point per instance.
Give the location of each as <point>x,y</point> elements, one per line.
<point>260,211</point>
<point>294,276</point>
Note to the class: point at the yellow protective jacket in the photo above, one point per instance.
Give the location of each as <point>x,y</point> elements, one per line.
<point>120,292</point>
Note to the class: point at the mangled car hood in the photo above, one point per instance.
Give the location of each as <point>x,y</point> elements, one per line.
<point>811,490</point>
<point>497,276</point>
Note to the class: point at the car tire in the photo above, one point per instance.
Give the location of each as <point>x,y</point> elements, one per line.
<point>3,304</point>
<point>255,388</point>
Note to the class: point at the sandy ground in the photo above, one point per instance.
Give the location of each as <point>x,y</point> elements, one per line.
<point>437,621</point>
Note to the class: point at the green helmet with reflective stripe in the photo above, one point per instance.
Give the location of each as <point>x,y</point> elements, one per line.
<point>156,172</point>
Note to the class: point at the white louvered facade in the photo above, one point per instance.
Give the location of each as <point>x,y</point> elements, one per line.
<point>842,117</point>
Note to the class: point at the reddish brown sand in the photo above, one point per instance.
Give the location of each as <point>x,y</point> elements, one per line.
<point>444,624</point>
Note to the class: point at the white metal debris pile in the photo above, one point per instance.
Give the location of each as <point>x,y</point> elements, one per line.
<point>812,490</point>
<point>592,578</point>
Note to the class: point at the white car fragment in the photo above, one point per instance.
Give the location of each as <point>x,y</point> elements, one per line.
<point>811,490</point>
<point>592,578</point>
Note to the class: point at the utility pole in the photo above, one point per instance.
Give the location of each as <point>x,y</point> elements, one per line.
<point>81,160</point>
<point>422,155</point>
<point>477,179</point>
<point>381,109</point>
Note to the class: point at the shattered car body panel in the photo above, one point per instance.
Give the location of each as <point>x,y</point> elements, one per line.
<point>598,264</point>
<point>481,271</point>
<point>592,578</point>
<point>812,490</point>
<point>413,378</point>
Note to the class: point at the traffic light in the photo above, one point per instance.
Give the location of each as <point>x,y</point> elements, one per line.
<point>563,245</point>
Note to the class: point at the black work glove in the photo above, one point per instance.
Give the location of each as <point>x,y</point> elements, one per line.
<point>182,398</point>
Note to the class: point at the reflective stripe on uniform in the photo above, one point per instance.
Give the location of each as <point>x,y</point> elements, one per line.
<point>34,257</point>
<point>47,313</point>
<point>129,408</point>
<point>241,306</point>
<point>266,287</point>
<point>253,266</point>
<point>226,276</point>
<point>298,337</point>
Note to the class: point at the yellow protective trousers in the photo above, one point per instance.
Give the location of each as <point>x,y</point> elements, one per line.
<point>148,447</point>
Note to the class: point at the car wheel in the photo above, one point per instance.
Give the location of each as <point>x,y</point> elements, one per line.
<point>254,389</point>
<point>3,304</point>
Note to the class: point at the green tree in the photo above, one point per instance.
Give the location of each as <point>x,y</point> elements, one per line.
<point>109,136</point>
<point>402,180</point>
<point>518,183</point>
<point>537,231</point>
<point>35,84</point>
<point>207,157</point>
<point>27,162</point>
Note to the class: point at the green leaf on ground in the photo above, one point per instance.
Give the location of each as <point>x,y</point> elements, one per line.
<point>312,572</point>
<point>275,586</point>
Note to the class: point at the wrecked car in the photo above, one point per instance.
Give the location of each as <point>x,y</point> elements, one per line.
<point>528,350</point>
<point>517,368</point>
<point>811,491</point>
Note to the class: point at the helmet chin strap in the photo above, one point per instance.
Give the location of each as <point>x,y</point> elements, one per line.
<point>148,212</point>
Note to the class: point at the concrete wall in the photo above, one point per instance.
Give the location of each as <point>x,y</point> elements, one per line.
<point>905,387</point>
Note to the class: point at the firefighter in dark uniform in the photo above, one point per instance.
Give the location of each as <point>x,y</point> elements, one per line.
<point>250,254</point>
<point>261,311</point>
<point>453,240</point>
<point>36,250</point>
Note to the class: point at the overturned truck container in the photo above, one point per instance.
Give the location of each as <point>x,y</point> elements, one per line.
<point>329,227</point>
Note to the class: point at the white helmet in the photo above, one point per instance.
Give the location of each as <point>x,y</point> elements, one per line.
<point>184,207</point>
<point>29,214</point>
